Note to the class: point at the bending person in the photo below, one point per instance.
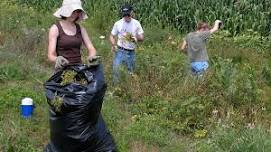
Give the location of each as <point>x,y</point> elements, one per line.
<point>194,45</point>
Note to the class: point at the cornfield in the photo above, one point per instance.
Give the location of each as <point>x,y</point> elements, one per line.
<point>238,15</point>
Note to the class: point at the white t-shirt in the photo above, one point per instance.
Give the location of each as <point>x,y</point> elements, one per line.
<point>123,29</point>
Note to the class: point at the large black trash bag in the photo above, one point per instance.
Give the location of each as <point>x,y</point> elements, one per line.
<point>78,126</point>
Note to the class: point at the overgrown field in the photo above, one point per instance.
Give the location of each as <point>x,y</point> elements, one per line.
<point>182,14</point>
<point>162,107</point>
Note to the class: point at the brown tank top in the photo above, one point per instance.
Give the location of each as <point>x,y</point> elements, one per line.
<point>69,46</point>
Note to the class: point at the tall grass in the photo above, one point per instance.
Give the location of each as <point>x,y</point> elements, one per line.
<point>183,14</point>
<point>229,139</point>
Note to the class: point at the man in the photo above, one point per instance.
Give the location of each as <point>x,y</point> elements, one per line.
<point>128,32</point>
<point>194,45</point>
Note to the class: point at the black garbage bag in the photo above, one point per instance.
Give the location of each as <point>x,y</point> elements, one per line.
<point>77,125</point>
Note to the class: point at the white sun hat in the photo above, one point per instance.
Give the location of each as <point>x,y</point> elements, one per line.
<point>68,6</point>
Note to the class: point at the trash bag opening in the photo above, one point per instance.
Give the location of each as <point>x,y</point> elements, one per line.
<point>69,76</point>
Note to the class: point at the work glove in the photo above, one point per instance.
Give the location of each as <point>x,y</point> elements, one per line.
<point>61,62</point>
<point>219,23</point>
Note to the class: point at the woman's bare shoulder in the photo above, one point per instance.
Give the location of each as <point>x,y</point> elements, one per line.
<point>53,30</point>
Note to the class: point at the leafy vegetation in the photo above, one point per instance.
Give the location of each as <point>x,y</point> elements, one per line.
<point>229,139</point>
<point>183,15</point>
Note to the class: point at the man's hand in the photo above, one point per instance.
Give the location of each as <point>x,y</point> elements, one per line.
<point>113,48</point>
<point>134,39</point>
<point>61,62</point>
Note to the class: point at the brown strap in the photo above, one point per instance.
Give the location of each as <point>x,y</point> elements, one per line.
<point>78,29</point>
<point>60,30</point>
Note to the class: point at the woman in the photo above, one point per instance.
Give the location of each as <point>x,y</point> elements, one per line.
<point>67,36</point>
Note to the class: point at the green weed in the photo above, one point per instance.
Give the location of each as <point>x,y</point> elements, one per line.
<point>228,139</point>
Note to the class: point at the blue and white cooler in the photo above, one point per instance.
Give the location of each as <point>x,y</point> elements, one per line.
<point>27,107</point>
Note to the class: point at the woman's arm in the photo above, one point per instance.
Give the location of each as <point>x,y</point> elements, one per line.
<point>88,44</point>
<point>52,39</point>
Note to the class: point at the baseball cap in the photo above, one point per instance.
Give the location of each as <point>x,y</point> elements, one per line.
<point>126,10</point>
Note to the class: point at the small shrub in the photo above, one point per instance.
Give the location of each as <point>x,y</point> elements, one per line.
<point>249,140</point>
<point>266,74</point>
<point>12,96</point>
<point>11,72</point>
<point>146,129</point>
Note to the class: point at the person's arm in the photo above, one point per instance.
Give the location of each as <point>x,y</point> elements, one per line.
<point>139,37</point>
<point>88,44</point>
<point>184,46</point>
<point>52,39</point>
<point>112,42</point>
<point>216,26</point>
<point>60,61</point>
<point>139,33</point>
<point>112,36</point>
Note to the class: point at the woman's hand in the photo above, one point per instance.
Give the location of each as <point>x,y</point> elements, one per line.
<point>93,58</point>
<point>61,62</point>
